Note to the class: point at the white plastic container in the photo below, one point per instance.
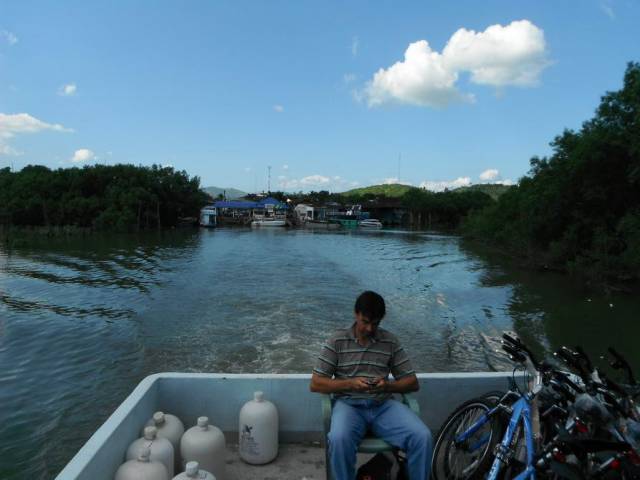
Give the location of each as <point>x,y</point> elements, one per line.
<point>193,471</point>
<point>258,430</point>
<point>160,448</point>
<point>169,427</point>
<point>206,445</point>
<point>142,469</point>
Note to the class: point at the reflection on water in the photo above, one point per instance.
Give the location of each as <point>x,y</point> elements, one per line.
<point>83,321</point>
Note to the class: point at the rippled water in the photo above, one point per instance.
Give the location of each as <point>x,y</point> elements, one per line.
<point>83,321</point>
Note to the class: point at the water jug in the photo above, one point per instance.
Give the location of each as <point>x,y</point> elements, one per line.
<point>258,430</point>
<point>193,471</point>
<point>205,444</point>
<point>160,448</point>
<point>169,427</point>
<point>142,469</point>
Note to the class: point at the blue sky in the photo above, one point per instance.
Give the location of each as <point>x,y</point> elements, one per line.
<point>330,94</point>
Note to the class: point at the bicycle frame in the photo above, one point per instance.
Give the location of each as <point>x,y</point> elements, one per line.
<point>521,410</point>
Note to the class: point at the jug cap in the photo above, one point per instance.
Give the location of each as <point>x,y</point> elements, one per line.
<point>150,433</point>
<point>203,422</point>
<point>192,469</point>
<point>158,417</point>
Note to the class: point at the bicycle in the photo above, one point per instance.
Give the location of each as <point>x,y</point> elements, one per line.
<point>468,441</point>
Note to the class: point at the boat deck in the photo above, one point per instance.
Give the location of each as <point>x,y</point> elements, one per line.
<point>295,461</point>
<point>220,397</point>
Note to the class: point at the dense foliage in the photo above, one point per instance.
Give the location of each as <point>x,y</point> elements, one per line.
<point>494,190</point>
<point>443,209</point>
<point>580,208</point>
<point>119,197</point>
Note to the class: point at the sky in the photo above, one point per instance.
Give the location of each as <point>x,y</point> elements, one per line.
<point>331,95</point>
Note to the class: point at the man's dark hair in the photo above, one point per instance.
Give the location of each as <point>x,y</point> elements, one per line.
<point>371,305</point>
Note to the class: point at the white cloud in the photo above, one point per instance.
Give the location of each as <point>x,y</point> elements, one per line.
<point>421,79</point>
<point>247,169</point>
<point>354,184</point>
<point>285,167</point>
<point>490,174</point>
<point>355,43</point>
<point>442,185</point>
<point>500,56</point>
<point>9,37</point>
<point>493,176</point>
<point>394,181</point>
<point>314,182</point>
<point>67,90</point>
<point>84,155</point>
<point>278,108</point>
<point>20,123</point>
<point>505,182</point>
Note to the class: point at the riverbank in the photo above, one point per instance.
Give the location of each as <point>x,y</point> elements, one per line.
<point>591,279</point>
<point>11,235</point>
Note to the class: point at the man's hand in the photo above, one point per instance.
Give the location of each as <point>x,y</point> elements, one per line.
<point>360,384</point>
<point>379,386</point>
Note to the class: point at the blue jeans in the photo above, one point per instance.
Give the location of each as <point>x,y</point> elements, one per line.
<point>392,421</point>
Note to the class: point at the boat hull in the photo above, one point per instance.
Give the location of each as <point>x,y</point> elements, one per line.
<point>269,223</point>
<point>220,397</point>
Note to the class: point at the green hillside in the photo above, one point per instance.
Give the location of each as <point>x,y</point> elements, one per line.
<point>494,190</point>
<point>232,193</point>
<point>392,190</point>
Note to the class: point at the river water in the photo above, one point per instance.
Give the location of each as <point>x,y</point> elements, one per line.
<point>82,321</point>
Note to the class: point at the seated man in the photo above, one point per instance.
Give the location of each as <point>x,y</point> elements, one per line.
<point>354,365</point>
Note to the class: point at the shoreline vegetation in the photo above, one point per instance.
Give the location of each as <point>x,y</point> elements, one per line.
<point>118,198</point>
<point>577,211</point>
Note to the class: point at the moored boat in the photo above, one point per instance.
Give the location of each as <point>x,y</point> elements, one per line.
<point>209,216</point>
<point>269,222</point>
<point>370,223</point>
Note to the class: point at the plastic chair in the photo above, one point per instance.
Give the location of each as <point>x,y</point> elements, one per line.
<point>370,443</point>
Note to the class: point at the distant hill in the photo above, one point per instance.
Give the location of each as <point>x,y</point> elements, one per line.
<point>494,190</point>
<point>395,190</point>
<point>392,190</point>
<point>232,193</point>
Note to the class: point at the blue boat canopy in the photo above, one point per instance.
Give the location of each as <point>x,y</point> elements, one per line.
<point>249,205</point>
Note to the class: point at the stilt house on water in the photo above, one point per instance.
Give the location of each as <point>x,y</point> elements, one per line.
<point>242,212</point>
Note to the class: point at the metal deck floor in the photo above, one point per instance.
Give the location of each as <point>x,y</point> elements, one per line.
<point>294,461</point>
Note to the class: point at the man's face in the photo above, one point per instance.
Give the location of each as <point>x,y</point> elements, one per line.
<point>365,327</point>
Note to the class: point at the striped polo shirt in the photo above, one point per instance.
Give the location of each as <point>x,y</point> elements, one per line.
<point>343,357</point>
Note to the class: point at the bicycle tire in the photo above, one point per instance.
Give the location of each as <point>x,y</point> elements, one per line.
<point>494,396</point>
<point>448,460</point>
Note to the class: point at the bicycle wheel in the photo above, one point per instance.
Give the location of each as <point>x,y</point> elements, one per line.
<point>471,459</point>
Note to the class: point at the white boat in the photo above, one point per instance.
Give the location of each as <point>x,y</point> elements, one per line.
<point>208,216</point>
<point>269,222</point>
<point>220,397</point>
<point>370,223</point>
